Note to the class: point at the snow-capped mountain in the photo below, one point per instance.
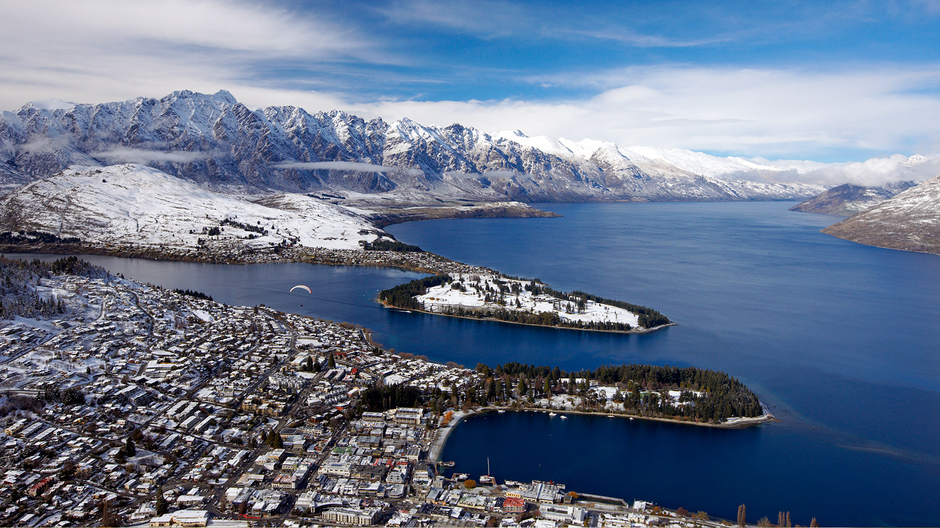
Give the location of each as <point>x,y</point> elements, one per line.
<point>848,199</point>
<point>909,221</point>
<point>217,142</point>
<point>133,205</point>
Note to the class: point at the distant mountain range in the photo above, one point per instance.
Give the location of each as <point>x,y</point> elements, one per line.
<point>909,221</point>
<point>218,143</point>
<point>848,199</point>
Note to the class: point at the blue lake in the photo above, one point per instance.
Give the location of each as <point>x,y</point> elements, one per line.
<point>840,339</point>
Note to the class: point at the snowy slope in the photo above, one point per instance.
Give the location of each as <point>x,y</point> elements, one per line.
<point>909,221</point>
<point>847,200</point>
<point>134,204</point>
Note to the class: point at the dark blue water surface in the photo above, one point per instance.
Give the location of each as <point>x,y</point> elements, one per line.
<point>841,340</point>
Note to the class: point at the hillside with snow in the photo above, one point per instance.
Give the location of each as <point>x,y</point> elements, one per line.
<point>220,144</point>
<point>909,221</point>
<point>134,205</point>
<point>848,199</point>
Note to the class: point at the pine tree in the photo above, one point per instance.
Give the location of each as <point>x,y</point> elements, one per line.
<point>161,505</point>
<point>331,363</point>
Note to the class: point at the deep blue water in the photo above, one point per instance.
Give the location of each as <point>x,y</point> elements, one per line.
<point>840,339</point>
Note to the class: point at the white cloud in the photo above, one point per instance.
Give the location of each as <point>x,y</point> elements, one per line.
<point>343,166</point>
<point>144,156</point>
<point>748,112</point>
<point>104,50</point>
<point>877,171</point>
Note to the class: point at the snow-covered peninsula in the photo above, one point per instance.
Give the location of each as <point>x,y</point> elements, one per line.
<point>524,301</point>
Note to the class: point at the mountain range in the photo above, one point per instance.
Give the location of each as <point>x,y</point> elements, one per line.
<point>220,144</point>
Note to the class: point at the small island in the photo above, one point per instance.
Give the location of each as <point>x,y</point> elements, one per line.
<point>497,297</point>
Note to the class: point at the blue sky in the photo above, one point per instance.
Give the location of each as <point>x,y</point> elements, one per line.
<point>827,81</point>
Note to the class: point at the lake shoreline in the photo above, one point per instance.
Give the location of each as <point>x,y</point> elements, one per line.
<point>437,446</point>
<point>493,319</point>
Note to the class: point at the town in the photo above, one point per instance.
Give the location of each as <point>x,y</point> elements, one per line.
<point>137,405</point>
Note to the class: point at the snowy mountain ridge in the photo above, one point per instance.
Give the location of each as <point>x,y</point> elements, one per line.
<point>217,142</point>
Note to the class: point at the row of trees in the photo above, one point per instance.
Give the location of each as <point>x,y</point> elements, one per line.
<point>69,396</point>
<point>385,397</point>
<point>193,293</point>
<point>35,237</point>
<point>390,245</point>
<point>706,395</point>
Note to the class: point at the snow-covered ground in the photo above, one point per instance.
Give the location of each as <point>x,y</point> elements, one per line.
<point>518,298</point>
<point>135,204</point>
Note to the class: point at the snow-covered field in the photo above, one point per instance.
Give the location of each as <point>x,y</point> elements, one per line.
<point>135,204</point>
<point>515,296</point>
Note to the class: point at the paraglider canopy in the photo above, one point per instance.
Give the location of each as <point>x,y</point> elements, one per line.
<point>302,287</point>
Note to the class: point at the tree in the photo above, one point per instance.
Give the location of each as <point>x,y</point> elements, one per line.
<point>814,523</point>
<point>309,364</point>
<point>129,448</point>
<point>274,440</point>
<point>742,515</point>
<point>763,522</point>
<point>108,518</point>
<point>547,389</point>
<point>682,512</point>
<point>469,483</point>
<point>522,388</point>
<point>161,504</point>
<point>331,363</point>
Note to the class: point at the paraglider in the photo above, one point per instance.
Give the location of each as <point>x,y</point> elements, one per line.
<point>302,287</point>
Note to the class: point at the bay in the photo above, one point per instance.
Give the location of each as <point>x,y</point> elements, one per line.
<point>839,338</point>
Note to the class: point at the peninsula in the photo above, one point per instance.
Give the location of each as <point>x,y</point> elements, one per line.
<point>496,297</point>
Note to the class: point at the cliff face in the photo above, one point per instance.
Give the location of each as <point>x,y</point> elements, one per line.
<point>848,199</point>
<point>217,142</point>
<point>909,221</point>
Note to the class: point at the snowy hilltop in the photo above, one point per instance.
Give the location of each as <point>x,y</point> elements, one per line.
<point>134,205</point>
<point>219,143</point>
